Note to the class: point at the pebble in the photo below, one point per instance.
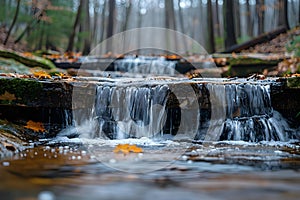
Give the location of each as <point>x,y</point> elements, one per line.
<point>189,161</point>
<point>184,157</point>
<point>46,195</point>
<point>5,164</point>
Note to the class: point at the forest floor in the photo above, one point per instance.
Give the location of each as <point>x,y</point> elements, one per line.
<point>275,49</point>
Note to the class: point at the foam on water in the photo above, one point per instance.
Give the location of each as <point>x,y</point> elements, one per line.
<point>238,111</point>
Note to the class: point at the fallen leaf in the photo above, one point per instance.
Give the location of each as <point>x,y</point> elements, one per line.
<point>35,126</point>
<point>41,75</point>
<point>8,96</point>
<point>127,148</point>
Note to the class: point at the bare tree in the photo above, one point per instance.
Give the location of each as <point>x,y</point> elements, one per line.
<point>39,14</point>
<point>170,22</point>
<point>211,38</point>
<point>249,19</point>
<point>13,22</point>
<point>283,14</point>
<point>110,25</point>
<point>76,24</point>
<point>86,28</point>
<point>236,6</point>
<point>127,13</point>
<point>103,22</point>
<point>260,10</point>
<point>218,25</point>
<point>180,18</point>
<point>229,33</point>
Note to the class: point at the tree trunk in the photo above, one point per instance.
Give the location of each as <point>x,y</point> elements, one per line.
<point>298,12</point>
<point>180,17</point>
<point>86,28</point>
<point>110,25</point>
<point>260,4</point>
<point>13,22</point>
<point>283,14</point>
<point>211,38</point>
<point>139,24</point>
<point>95,21</point>
<point>103,22</point>
<point>218,25</point>
<point>249,19</point>
<point>229,34</point>
<point>237,18</point>
<point>170,22</point>
<point>76,23</point>
<point>128,10</point>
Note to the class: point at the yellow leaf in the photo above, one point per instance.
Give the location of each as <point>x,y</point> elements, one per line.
<point>41,75</point>
<point>7,96</point>
<point>35,126</point>
<point>127,148</point>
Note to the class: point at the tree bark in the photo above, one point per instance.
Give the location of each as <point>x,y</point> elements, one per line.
<point>76,23</point>
<point>180,17</point>
<point>103,22</point>
<point>128,10</point>
<point>283,14</point>
<point>218,25</point>
<point>170,22</point>
<point>229,33</point>
<point>237,18</point>
<point>261,15</point>
<point>249,19</point>
<point>110,25</point>
<point>86,28</point>
<point>211,38</point>
<point>13,22</point>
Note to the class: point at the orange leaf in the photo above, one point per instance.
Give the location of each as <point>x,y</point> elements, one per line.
<point>35,126</point>
<point>127,148</point>
<point>41,75</point>
<point>7,96</point>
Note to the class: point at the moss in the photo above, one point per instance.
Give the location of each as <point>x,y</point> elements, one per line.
<point>251,61</point>
<point>293,82</point>
<point>25,90</point>
<point>33,61</point>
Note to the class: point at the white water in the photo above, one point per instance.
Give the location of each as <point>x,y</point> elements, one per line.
<point>238,111</point>
<point>146,65</point>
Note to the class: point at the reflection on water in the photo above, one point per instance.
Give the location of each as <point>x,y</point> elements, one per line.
<point>88,168</point>
<point>215,170</point>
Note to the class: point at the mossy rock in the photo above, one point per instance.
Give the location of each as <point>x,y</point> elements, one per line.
<point>293,82</point>
<point>19,91</point>
<point>32,61</point>
<point>251,61</point>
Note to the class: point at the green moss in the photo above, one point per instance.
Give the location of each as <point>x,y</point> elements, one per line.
<point>33,61</point>
<point>25,90</point>
<point>251,61</point>
<point>293,82</point>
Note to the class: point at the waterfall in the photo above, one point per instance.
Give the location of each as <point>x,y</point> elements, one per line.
<point>244,112</point>
<point>146,65</point>
<point>218,111</point>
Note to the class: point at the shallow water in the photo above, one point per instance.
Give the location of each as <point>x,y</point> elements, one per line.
<point>73,169</point>
<point>88,167</point>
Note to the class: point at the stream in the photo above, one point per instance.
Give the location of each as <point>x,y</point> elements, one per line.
<point>196,139</point>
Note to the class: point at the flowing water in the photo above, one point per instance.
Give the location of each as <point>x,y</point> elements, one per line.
<point>201,139</point>
<point>146,65</point>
